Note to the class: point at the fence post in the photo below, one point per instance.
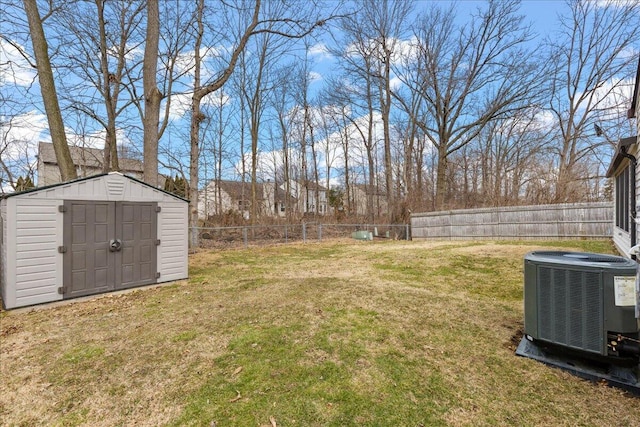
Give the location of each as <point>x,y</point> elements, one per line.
<point>406,231</point>
<point>286,233</point>
<point>304,232</point>
<point>244,236</point>
<point>319,232</point>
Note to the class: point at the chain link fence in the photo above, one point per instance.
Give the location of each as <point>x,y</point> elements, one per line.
<point>257,235</point>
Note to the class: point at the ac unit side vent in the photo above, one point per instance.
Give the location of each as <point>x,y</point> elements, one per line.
<point>570,308</point>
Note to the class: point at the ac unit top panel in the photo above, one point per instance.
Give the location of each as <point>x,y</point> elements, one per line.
<point>581,259</point>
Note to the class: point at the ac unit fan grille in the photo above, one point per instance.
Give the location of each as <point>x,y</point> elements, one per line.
<point>582,257</point>
<point>570,308</point>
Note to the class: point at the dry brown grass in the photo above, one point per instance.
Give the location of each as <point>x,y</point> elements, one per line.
<point>337,333</point>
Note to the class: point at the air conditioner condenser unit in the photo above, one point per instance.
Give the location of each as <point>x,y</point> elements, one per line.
<point>582,305</point>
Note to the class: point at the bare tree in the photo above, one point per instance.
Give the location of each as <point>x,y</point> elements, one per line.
<point>258,69</point>
<point>283,103</point>
<point>591,60</point>
<point>92,84</point>
<point>358,87</point>
<point>48,90</point>
<point>286,26</point>
<point>384,22</point>
<point>468,75</point>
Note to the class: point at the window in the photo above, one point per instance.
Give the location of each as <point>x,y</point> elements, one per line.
<point>243,205</point>
<point>622,199</point>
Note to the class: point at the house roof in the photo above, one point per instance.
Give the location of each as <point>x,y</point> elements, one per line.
<point>369,189</point>
<point>236,189</point>
<point>311,185</point>
<point>46,187</point>
<point>85,156</point>
<point>618,157</point>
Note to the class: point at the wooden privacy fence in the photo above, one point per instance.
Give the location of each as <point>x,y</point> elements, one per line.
<point>562,221</point>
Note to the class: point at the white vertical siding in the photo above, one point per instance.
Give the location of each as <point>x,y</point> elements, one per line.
<point>37,264</point>
<point>636,153</point>
<point>3,249</point>
<point>173,251</point>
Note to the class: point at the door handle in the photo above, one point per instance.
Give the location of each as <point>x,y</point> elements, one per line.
<point>115,245</point>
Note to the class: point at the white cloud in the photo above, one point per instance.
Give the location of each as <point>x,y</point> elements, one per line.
<point>616,3</point>
<point>14,69</point>
<point>404,50</point>
<point>23,132</point>
<point>19,144</point>
<point>612,98</point>
<point>96,139</point>
<point>217,99</point>
<point>320,51</point>
<point>132,52</point>
<point>395,83</point>
<point>401,50</point>
<point>180,104</point>
<point>315,76</point>
<point>185,63</point>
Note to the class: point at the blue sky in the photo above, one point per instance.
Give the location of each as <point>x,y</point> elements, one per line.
<point>542,14</point>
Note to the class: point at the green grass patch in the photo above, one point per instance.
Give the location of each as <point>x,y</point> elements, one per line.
<point>82,353</point>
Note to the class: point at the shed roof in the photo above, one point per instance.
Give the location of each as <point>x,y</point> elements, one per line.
<point>47,187</point>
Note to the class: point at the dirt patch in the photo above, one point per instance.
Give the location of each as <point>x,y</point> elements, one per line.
<point>514,342</point>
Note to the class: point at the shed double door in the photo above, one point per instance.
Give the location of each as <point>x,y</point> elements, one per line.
<point>108,246</point>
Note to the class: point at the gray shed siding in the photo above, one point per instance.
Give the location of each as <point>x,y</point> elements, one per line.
<point>32,231</point>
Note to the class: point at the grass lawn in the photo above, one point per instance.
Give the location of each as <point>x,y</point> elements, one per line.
<point>342,333</point>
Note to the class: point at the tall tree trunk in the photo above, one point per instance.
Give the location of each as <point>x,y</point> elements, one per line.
<point>194,130</point>
<point>316,179</point>
<point>441,177</point>
<point>385,107</point>
<point>110,148</point>
<point>152,95</point>
<point>48,90</point>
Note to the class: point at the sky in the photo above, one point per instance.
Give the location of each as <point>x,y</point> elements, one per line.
<point>32,128</point>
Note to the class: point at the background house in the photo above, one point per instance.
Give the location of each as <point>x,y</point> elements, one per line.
<point>88,162</point>
<point>359,196</point>
<point>310,198</point>
<point>623,171</point>
<point>221,197</point>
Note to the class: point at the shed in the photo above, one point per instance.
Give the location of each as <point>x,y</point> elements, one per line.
<point>89,236</point>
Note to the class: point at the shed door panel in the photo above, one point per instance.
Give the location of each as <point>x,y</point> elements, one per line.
<point>89,266</point>
<point>138,230</point>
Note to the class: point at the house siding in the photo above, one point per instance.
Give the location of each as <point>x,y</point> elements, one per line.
<point>3,248</point>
